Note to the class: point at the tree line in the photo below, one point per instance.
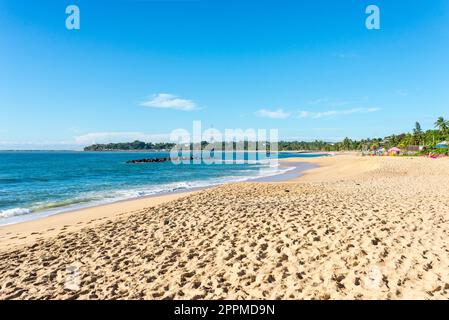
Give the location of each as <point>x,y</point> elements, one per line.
<point>130,146</point>
<point>417,137</point>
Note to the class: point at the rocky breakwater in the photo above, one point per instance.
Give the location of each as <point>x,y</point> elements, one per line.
<point>165,159</point>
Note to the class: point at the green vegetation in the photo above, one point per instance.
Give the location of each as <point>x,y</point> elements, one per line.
<point>130,146</point>
<point>406,141</point>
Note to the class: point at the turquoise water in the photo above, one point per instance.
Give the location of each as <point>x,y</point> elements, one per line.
<point>36,184</point>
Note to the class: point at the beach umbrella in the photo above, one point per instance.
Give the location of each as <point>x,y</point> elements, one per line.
<point>394,150</point>
<point>441,145</point>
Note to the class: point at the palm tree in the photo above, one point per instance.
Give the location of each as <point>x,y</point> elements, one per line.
<point>417,133</point>
<point>346,144</point>
<point>442,125</point>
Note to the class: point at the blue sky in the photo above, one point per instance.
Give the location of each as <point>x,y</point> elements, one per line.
<point>139,69</point>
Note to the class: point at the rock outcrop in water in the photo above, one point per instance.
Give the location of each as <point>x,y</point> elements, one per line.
<point>165,159</point>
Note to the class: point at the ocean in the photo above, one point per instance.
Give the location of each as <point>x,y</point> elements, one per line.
<point>35,184</point>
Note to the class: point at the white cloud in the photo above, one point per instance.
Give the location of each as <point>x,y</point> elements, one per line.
<point>42,145</point>
<point>330,113</point>
<point>277,114</point>
<point>304,114</point>
<point>169,101</point>
<point>116,137</point>
<point>78,142</point>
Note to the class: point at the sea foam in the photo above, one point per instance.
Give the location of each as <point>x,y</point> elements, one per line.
<point>14,212</point>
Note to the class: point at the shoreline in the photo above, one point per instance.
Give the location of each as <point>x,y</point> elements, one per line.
<point>30,230</point>
<point>93,204</point>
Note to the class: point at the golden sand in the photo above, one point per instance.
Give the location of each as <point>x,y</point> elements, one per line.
<point>354,228</point>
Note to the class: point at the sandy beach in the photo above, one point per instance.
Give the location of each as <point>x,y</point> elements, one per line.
<point>352,228</point>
